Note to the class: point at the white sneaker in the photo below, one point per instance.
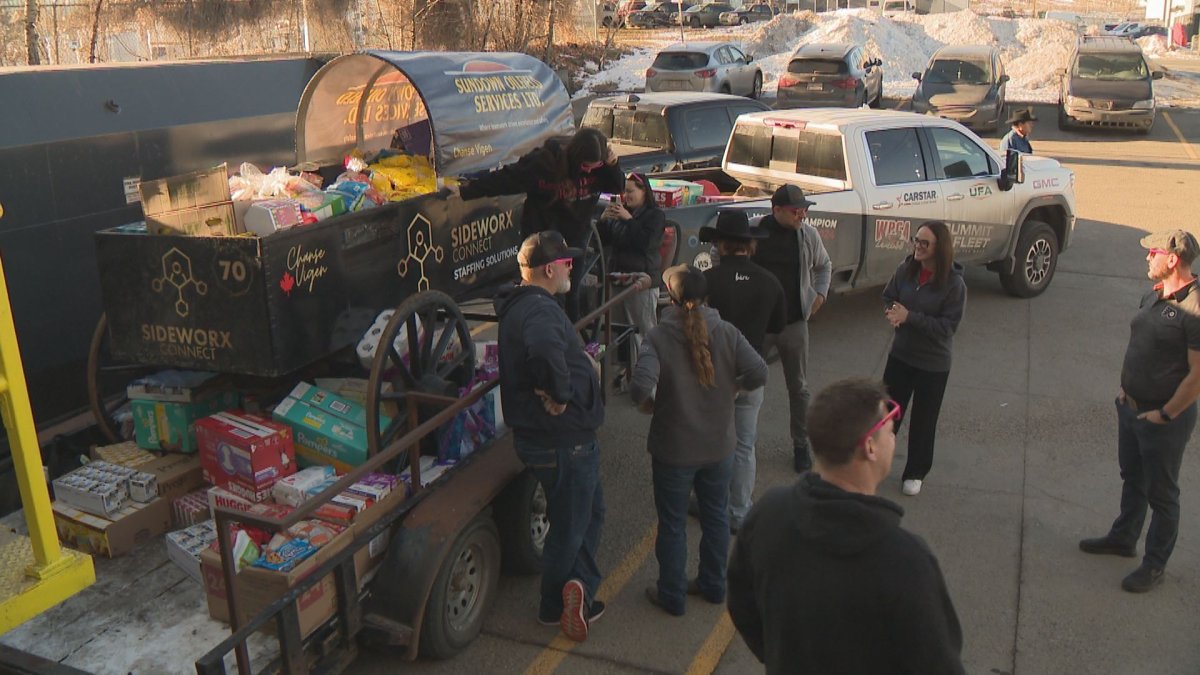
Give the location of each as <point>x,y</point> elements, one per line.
<point>911,487</point>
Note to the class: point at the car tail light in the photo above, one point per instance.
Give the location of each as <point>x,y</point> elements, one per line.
<point>650,72</point>
<point>786,81</point>
<point>845,83</point>
<point>707,72</point>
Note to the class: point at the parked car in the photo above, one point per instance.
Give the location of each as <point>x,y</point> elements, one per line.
<point>876,176</point>
<point>965,84</point>
<point>668,131</point>
<point>655,14</point>
<point>829,74</point>
<point>707,15</point>
<point>627,7</point>
<point>1148,30</point>
<point>746,14</point>
<point>1128,29</point>
<point>606,13</point>
<point>1108,84</point>
<point>893,8</point>
<point>705,66</point>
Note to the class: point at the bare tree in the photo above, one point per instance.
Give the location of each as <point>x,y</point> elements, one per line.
<point>31,37</point>
<point>95,31</point>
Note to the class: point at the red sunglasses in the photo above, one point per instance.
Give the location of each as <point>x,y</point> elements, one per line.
<point>569,262</point>
<point>893,413</point>
<point>1159,251</point>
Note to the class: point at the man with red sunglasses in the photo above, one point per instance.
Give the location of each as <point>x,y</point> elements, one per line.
<point>822,570</point>
<point>1156,409</point>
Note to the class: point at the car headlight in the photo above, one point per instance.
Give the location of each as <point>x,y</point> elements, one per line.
<point>1148,104</point>
<point>1076,102</point>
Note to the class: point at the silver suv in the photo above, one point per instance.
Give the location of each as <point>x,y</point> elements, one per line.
<point>1109,84</point>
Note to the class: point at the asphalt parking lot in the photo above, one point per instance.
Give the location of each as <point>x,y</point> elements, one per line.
<point>1025,464</point>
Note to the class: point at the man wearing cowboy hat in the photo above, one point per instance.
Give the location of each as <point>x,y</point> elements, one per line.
<point>749,297</point>
<point>793,252</point>
<point>1021,122</point>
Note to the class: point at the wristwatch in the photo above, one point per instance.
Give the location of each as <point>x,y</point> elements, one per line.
<point>1163,412</point>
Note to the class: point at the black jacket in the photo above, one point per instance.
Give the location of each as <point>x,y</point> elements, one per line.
<point>539,349</point>
<point>549,205</point>
<point>926,339</point>
<point>825,581</point>
<point>636,242</point>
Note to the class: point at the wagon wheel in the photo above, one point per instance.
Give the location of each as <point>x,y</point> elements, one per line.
<point>591,270</point>
<point>106,381</point>
<point>435,355</point>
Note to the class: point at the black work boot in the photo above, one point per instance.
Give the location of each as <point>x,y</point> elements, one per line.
<point>1108,546</point>
<point>1143,579</point>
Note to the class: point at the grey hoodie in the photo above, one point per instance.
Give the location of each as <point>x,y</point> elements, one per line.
<point>926,339</point>
<point>693,425</point>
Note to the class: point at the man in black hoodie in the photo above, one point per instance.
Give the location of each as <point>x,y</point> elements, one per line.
<point>823,579</point>
<point>551,398</point>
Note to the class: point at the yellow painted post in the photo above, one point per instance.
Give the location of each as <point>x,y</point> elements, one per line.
<point>50,575</point>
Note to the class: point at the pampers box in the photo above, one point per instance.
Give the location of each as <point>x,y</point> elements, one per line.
<point>326,428</point>
<point>167,425</point>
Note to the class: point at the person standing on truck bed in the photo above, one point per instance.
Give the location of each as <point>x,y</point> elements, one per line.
<point>793,252</point>
<point>634,227</point>
<point>750,298</point>
<point>1156,408</point>
<point>1017,139</point>
<point>562,180</point>
<point>551,398</point>
<point>924,303</point>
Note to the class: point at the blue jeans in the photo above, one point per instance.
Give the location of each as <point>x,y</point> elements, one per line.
<point>745,425</point>
<point>575,507</point>
<point>672,487</point>
<point>1150,456</point>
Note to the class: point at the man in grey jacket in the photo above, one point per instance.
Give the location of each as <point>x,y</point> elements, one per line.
<point>795,255</point>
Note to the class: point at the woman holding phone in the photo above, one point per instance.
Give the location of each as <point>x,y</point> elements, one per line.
<point>924,303</point>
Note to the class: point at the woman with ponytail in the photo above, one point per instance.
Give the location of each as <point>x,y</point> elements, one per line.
<point>689,369</point>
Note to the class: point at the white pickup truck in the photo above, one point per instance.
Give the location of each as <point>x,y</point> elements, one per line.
<point>876,176</point>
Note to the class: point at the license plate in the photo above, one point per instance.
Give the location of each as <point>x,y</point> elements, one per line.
<point>815,86</point>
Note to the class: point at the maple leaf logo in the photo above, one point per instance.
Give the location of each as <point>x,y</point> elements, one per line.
<point>287,283</point>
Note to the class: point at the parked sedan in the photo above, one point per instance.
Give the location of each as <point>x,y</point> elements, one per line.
<point>705,66</point>
<point>707,15</point>
<point>837,75</point>
<point>654,15</point>
<point>746,14</point>
<point>965,84</point>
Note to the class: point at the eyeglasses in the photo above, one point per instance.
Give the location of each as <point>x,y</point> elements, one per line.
<point>921,243</point>
<point>893,413</point>
<point>1159,251</point>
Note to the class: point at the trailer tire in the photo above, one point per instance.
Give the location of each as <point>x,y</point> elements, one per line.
<point>1036,258</point>
<point>523,524</point>
<point>463,592</point>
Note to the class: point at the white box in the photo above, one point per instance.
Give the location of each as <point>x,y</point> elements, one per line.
<point>184,547</point>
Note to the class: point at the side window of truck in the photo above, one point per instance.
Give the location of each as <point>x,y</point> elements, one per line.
<point>895,156</point>
<point>960,157</point>
<point>707,127</point>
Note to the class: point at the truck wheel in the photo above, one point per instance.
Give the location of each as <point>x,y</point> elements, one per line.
<point>523,524</point>
<point>463,592</point>
<point>1064,122</point>
<point>1036,259</point>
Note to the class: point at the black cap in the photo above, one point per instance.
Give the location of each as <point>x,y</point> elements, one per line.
<point>790,196</point>
<point>1022,115</point>
<point>1179,242</point>
<point>732,224</point>
<point>543,248</point>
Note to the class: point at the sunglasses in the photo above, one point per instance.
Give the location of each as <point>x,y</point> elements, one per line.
<point>921,243</point>
<point>893,413</point>
<point>569,262</point>
<point>1159,251</point>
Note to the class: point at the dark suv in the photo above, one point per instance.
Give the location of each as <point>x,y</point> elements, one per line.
<point>1108,84</point>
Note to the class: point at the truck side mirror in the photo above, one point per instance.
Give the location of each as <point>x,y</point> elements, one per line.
<point>917,77</point>
<point>1003,79</point>
<point>1014,170</point>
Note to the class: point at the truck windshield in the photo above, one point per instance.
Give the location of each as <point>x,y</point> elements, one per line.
<point>817,66</point>
<point>1110,67</point>
<point>807,153</point>
<point>957,71</point>
<point>631,127</point>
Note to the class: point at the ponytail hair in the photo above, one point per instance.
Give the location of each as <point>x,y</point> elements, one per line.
<point>688,289</point>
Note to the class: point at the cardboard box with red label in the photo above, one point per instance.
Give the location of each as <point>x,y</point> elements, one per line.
<point>245,454</point>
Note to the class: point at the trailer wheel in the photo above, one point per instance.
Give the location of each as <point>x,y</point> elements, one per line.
<point>1036,259</point>
<point>463,592</point>
<point>440,359</point>
<point>591,270</point>
<point>523,524</point>
<point>106,382</point>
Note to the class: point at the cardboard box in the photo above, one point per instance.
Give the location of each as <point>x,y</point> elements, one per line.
<point>327,401</point>
<point>167,425</point>
<point>126,454</point>
<point>179,386</point>
<point>267,217</point>
<point>190,509</point>
<point>185,546</point>
<point>321,437</point>
<point>672,193</point>
<point>245,454</point>
<point>177,475</point>
<point>214,584</point>
<point>134,525</point>
<point>97,497</point>
<point>197,203</point>
<point>222,498</point>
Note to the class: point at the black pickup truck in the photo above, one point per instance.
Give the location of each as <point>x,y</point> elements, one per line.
<point>668,131</point>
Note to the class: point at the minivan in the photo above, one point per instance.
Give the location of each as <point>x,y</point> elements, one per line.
<point>1108,84</point>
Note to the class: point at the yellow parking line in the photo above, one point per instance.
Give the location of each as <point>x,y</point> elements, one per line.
<point>1187,147</point>
<point>714,647</point>
<point>554,653</point>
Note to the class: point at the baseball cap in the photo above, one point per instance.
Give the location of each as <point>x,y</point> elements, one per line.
<point>1179,242</point>
<point>791,196</point>
<point>543,248</point>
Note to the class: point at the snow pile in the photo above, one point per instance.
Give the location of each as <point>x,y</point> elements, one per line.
<point>1154,45</point>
